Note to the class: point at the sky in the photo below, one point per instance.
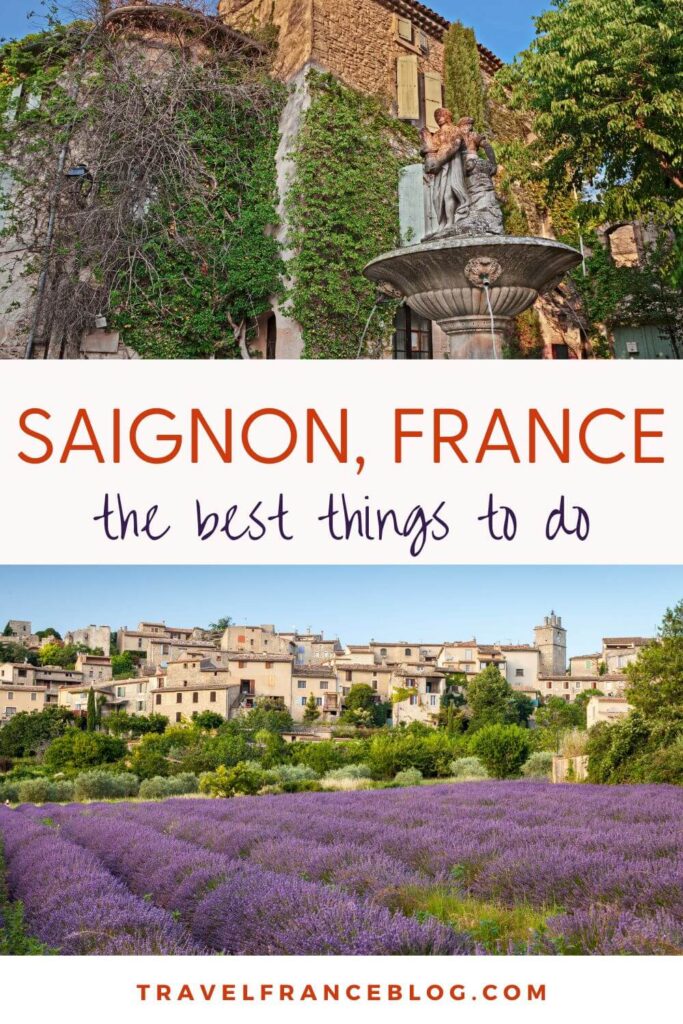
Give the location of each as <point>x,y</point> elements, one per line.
<point>504,26</point>
<point>419,604</point>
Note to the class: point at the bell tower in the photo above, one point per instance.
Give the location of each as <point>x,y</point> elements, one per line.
<point>551,640</point>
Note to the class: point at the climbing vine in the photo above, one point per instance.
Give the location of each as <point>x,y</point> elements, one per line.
<point>169,231</point>
<point>343,211</point>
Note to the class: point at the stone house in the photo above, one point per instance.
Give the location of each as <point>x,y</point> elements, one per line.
<point>94,637</point>
<point>585,664</point>
<point>15,699</point>
<point>606,709</point>
<point>156,642</point>
<point>353,673</point>
<point>321,682</point>
<point>94,668</point>
<point>620,651</point>
<point>569,687</point>
<point>428,684</point>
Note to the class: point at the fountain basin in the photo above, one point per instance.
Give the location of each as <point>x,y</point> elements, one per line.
<point>446,280</point>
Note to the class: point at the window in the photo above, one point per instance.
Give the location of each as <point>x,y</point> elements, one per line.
<point>212,696</point>
<point>164,648</point>
<point>120,691</point>
<point>318,702</point>
<point>413,699</point>
<point>301,685</point>
<point>383,652</point>
<point>9,712</point>
<point>158,698</point>
<point>566,686</point>
<point>587,664</point>
<point>519,672</point>
<point>241,664</point>
<point>33,696</point>
<point>195,698</point>
<point>269,664</point>
<point>412,336</point>
<point>407,89</point>
<point>404,29</point>
<point>323,684</point>
<point>271,337</point>
<point>178,716</point>
<point>179,698</point>
<point>302,701</point>
<point>431,98</point>
<point>22,673</point>
<point>408,652</point>
<point>560,351</point>
<point>10,695</point>
<point>548,686</point>
<point>349,677</point>
<point>432,699</point>
<point>374,684</point>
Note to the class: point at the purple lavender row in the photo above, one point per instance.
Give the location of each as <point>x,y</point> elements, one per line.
<point>575,847</point>
<point>238,908</point>
<point>73,905</point>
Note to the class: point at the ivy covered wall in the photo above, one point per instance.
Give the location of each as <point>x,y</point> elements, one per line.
<point>342,211</point>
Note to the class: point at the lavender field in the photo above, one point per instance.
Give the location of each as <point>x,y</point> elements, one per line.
<point>454,869</point>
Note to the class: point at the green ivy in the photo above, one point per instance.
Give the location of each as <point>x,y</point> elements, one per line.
<point>343,211</point>
<point>212,272</point>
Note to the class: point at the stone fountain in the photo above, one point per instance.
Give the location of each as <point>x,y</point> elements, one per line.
<point>465,273</point>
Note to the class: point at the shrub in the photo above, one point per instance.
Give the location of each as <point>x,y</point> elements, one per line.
<point>346,784</point>
<point>43,791</point>
<point>76,749</point>
<point>539,765</point>
<point>349,771</point>
<point>291,778</point>
<point>502,748</point>
<point>101,785</point>
<point>160,787</point>
<point>325,755</point>
<point>408,777</point>
<point>246,778</point>
<point>429,751</point>
<point>468,768</point>
<point>9,791</point>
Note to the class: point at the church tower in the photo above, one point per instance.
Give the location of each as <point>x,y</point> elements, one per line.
<point>551,640</point>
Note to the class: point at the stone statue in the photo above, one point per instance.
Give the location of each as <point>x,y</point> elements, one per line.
<point>460,182</point>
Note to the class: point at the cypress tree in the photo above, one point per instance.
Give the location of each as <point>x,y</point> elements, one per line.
<point>464,85</point>
<point>91,713</point>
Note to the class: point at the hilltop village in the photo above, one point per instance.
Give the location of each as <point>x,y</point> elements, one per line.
<point>182,671</point>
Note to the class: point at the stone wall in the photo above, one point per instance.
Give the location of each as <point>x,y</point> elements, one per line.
<point>292,18</point>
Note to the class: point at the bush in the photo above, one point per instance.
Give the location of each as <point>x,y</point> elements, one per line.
<point>76,749</point>
<point>539,765</point>
<point>9,791</point>
<point>468,768</point>
<point>502,748</point>
<point>291,778</point>
<point>349,771</point>
<point>664,765</point>
<point>160,787</point>
<point>408,777</point>
<point>43,791</point>
<point>246,778</point>
<point>574,743</point>
<point>100,785</point>
<point>430,751</point>
<point>325,755</point>
<point>345,784</point>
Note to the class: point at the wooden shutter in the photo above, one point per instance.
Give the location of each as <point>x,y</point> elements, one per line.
<point>407,88</point>
<point>404,29</point>
<point>433,98</point>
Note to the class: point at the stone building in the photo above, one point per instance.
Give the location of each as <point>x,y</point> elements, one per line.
<point>94,668</point>
<point>551,640</point>
<point>605,709</point>
<point>94,637</point>
<point>15,699</point>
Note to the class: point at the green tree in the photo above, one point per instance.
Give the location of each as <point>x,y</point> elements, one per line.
<point>17,653</point>
<point>503,749</point>
<point>655,678</point>
<point>50,631</point>
<point>7,631</point>
<point>123,665</point>
<point>207,719</point>
<point>463,83</point>
<point>268,714</point>
<point>25,734</point>
<point>311,712</point>
<point>220,625</point>
<point>603,78</point>
<point>361,706</point>
<point>63,655</point>
<point>91,712</point>
<point>557,716</point>
<point>490,698</point>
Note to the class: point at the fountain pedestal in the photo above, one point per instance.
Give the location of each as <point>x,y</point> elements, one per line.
<point>472,286</point>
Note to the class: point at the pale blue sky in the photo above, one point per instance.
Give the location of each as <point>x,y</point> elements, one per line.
<point>504,26</point>
<point>422,604</point>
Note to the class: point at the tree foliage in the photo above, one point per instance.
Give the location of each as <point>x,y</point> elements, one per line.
<point>26,733</point>
<point>655,678</point>
<point>463,83</point>
<point>603,79</point>
<point>503,749</point>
